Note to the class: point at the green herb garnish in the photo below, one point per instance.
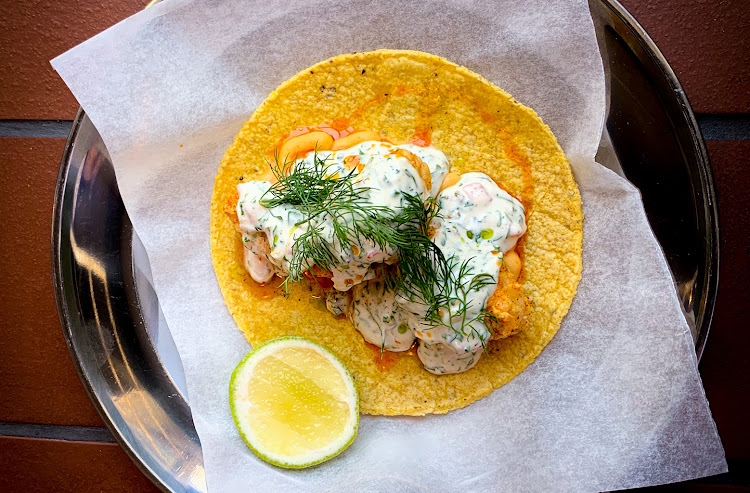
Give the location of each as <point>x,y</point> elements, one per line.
<point>323,198</point>
<point>456,300</point>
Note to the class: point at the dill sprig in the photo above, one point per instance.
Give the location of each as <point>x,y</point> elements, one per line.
<point>304,187</point>
<point>325,197</point>
<point>456,300</point>
<point>421,264</point>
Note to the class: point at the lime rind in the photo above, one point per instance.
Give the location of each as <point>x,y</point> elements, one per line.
<point>314,457</point>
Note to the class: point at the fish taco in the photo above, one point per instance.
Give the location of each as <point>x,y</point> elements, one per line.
<point>407,214</point>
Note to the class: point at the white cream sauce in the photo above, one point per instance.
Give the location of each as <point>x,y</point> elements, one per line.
<point>478,222</point>
<point>337,302</point>
<point>376,313</point>
<point>383,180</point>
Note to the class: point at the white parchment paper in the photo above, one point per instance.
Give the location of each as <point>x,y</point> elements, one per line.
<point>614,401</point>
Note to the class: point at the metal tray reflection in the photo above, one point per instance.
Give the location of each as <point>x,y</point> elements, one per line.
<point>121,345</point>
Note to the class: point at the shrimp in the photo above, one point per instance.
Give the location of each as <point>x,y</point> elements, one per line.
<point>422,169</point>
<point>257,263</point>
<point>508,308</point>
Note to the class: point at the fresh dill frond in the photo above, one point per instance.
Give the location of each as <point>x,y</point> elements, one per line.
<point>327,198</point>
<point>301,187</point>
<point>456,300</point>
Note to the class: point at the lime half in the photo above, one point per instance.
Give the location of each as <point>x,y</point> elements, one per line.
<point>294,403</point>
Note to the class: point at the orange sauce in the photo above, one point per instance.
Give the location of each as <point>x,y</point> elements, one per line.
<point>388,359</point>
<point>319,281</point>
<point>338,129</point>
<point>428,105</point>
<point>264,290</point>
<point>422,137</point>
<point>427,108</point>
<point>520,246</point>
<point>259,290</point>
<point>361,110</point>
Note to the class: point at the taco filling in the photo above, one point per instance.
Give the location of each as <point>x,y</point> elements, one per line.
<point>410,253</point>
<point>430,211</point>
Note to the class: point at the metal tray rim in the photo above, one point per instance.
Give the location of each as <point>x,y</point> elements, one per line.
<point>66,309</point>
<point>705,169</point>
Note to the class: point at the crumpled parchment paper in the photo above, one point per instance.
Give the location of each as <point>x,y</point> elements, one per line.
<point>614,401</point>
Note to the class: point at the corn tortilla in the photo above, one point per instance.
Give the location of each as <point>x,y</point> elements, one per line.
<point>479,127</point>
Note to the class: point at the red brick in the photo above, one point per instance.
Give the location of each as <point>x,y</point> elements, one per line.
<point>38,382</point>
<point>705,42</point>
<point>725,367</point>
<point>707,45</point>
<point>32,465</point>
<point>34,32</point>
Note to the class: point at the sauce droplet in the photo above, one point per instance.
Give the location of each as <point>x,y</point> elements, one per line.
<point>422,137</point>
<point>264,290</point>
<point>388,359</point>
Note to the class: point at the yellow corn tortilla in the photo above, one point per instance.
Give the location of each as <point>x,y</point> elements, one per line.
<point>480,128</point>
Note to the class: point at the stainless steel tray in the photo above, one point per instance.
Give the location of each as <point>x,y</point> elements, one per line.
<point>122,347</point>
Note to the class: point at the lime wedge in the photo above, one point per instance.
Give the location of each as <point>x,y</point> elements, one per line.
<point>294,403</point>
